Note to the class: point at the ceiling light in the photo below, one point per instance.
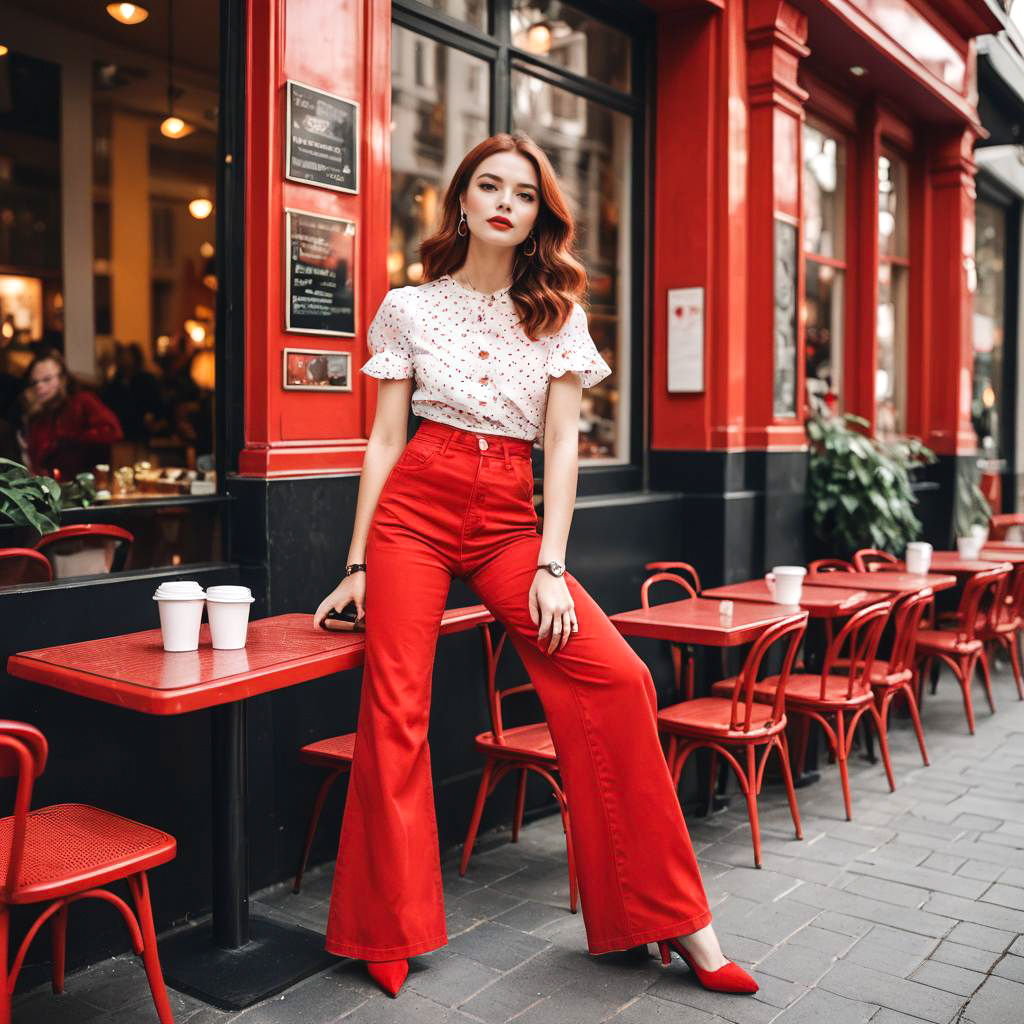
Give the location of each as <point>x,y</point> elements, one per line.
<point>3,50</point>
<point>174,128</point>
<point>200,208</point>
<point>128,14</point>
<point>858,71</point>
<point>206,250</point>
<point>538,39</point>
<point>171,126</point>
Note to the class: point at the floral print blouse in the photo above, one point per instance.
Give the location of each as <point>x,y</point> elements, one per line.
<point>474,366</point>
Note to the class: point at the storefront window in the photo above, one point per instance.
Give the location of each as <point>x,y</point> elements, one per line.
<point>109,281</point>
<point>442,107</point>
<point>825,252</point>
<point>891,318</point>
<point>989,322</point>
<point>474,12</point>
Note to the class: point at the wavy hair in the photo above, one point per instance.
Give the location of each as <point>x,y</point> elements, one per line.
<point>544,285</point>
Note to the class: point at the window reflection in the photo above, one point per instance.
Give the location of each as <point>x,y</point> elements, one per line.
<point>825,248</point>
<point>989,324</point>
<point>474,12</point>
<point>891,314</point>
<point>440,98</point>
<point>590,148</point>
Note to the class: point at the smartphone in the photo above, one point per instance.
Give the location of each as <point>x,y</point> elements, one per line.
<point>344,620</point>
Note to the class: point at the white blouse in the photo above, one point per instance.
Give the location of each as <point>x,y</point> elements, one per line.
<point>474,366</point>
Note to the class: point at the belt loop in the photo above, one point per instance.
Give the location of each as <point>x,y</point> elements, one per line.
<point>504,451</point>
<point>447,441</point>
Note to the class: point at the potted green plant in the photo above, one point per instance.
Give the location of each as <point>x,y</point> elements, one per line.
<point>972,511</point>
<point>33,503</point>
<point>859,487</point>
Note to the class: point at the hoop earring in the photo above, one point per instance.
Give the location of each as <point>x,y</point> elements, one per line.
<point>462,224</point>
<point>534,249</point>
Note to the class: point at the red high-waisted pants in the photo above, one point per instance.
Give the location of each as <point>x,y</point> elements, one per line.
<point>459,503</point>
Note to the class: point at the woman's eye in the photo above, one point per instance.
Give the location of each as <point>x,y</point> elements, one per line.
<point>486,185</point>
<point>528,196</point>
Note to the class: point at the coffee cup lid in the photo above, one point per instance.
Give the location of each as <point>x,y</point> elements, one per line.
<point>228,592</point>
<point>179,590</point>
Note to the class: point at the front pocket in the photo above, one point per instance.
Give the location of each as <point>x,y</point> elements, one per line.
<point>415,457</point>
<point>526,479</point>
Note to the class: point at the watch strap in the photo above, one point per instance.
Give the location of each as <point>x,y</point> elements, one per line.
<point>355,567</point>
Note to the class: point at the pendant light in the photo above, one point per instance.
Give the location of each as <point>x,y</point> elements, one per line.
<point>172,126</point>
<point>128,14</point>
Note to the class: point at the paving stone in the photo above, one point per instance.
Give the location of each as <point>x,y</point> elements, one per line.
<point>770,923</point>
<point>998,1001</point>
<point>797,964</point>
<point>830,942</point>
<point>520,988</point>
<point>487,903</point>
<point>959,980</point>
<point>408,1008</point>
<point>843,924</point>
<point>891,892</point>
<point>321,997</point>
<point>856,982</point>
<point>777,992</point>
<point>530,915</point>
<point>981,870</point>
<point>807,870</point>
<point>922,877</point>
<point>868,952</point>
<point>496,946</point>
<point>449,978</point>
<point>818,1006</point>
<point>942,862</point>
<point>741,949</point>
<point>1010,967</point>
<point>964,956</point>
<point>763,885</point>
<point>887,1016</point>
<point>1006,896</point>
<point>981,937</point>
<point>870,909</point>
<point>45,1006</point>
<point>990,915</point>
<point>685,991</point>
<point>583,1002</point>
<point>649,1009</point>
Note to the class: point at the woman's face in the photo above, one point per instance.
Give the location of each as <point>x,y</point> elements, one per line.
<point>44,380</point>
<point>502,199</point>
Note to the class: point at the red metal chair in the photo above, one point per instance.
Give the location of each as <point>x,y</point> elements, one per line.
<point>831,697</point>
<point>960,646</point>
<point>86,548</point>
<point>334,754</point>
<point>68,852</point>
<point>830,565</point>
<point>869,559</point>
<point>733,720</point>
<point>682,568</point>
<point>23,565</point>
<point>1005,630</point>
<point>522,749</point>
<point>1000,525</point>
<point>678,654</point>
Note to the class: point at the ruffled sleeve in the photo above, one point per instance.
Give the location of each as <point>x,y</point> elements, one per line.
<point>573,349</point>
<point>390,338</point>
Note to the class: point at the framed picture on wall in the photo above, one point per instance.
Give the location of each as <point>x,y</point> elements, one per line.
<point>308,369</point>
<point>319,274</point>
<point>322,143</point>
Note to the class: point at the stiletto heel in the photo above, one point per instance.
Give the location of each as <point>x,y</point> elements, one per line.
<point>389,974</point>
<point>728,978</point>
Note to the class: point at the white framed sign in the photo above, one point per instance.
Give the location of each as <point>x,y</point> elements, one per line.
<point>685,340</point>
<point>322,143</point>
<point>319,274</point>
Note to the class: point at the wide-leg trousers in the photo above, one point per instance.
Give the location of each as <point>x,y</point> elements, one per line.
<point>459,503</point>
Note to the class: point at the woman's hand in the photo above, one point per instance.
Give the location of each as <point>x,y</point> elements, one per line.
<point>551,606</point>
<point>351,588</point>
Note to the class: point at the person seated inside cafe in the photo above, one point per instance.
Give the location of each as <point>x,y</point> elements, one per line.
<point>67,429</point>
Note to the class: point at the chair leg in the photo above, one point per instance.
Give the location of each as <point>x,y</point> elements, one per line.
<point>478,810</point>
<point>883,742</point>
<point>570,852</point>
<point>986,678</point>
<point>5,997</point>
<point>915,718</point>
<point>801,744</point>
<point>844,775</point>
<point>712,782</point>
<point>964,675</point>
<point>150,957</point>
<point>750,791</point>
<point>58,942</point>
<point>314,818</point>
<point>783,751</point>
<point>520,804</point>
<point>1018,678</point>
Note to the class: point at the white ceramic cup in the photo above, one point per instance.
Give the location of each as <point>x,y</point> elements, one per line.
<point>227,608</point>
<point>919,557</point>
<point>980,531</point>
<point>786,583</point>
<point>968,547</point>
<point>180,603</point>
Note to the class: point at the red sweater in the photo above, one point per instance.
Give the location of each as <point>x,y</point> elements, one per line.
<point>73,439</point>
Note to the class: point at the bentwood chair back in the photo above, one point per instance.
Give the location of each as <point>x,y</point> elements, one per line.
<point>870,559</point>
<point>681,568</point>
<point>830,565</point>
<point>63,853</point>
<point>23,565</point>
<point>682,681</point>
<point>86,549</point>
<point>517,749</point>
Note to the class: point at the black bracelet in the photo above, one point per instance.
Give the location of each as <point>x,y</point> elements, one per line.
<point>355,567</point>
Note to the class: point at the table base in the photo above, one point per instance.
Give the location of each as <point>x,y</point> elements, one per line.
<point>275,957</point>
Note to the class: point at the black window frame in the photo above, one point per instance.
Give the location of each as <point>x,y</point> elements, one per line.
<point>495,46</point>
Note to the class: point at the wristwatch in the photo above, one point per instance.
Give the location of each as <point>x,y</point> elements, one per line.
<point>355,567</point>
<point>555,568</point>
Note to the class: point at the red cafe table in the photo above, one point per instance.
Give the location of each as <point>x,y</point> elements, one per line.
<point>698,620</point>
<point>237,960</point>
<point>954,562</point>
<point>883,582</point>
<point>820,602</point>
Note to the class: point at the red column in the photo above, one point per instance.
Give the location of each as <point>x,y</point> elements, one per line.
<point>776,33</point>
<point>342,47</point>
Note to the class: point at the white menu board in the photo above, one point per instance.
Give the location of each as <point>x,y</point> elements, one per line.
<point>686,340</point>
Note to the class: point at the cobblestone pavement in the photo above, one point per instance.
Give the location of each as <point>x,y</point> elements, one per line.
<point>913,911</point>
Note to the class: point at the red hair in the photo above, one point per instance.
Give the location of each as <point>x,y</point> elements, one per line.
<point>544,285</point>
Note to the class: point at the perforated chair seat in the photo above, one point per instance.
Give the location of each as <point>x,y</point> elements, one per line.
<point>330,752</point>
<point>73,847</point>
<point>714,715</point>
<point>802,688</point>
<point>946,641</point>
<point>528,741</point>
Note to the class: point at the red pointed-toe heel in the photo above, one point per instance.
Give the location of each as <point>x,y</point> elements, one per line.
<point>728,978</point>
<point>389,974</point>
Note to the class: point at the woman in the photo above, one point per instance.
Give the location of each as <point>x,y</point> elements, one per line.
<point>500,352</point>
<point>68,430</point>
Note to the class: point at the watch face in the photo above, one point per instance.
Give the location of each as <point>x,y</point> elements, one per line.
<point>556,568</point>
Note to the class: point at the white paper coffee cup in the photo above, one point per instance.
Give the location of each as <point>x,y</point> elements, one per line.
<point>786,583</point>
<point>919,557</point>
<point>227,608</point>
<point>968,547</point>
<point>180,603</point>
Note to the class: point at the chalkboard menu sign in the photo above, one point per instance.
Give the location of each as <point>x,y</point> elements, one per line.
<point>322,144</point>
<point>319,274</point>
